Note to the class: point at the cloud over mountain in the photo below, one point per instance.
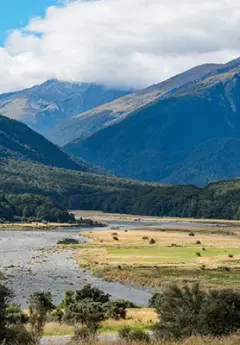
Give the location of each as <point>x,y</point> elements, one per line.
<point>120,42</point>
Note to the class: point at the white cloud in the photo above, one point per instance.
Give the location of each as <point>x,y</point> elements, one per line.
<point>129,43</point>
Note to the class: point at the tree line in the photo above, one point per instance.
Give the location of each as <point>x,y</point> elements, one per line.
<point>78,190</point>
<point>32,208</point>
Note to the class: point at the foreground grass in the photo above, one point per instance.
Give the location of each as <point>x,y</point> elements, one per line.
<point>140,318</point>
<point>231,340</point>
<point>211,255</point>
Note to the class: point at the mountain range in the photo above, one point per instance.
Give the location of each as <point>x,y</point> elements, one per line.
<point>44,107</point>
<point>30,164</point>
<point>185,130</point>
<point>189,134</point>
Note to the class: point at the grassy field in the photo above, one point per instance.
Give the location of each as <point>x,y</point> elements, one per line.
<point>207,254</point>
<point>231,340</point>
<point>142,318</point>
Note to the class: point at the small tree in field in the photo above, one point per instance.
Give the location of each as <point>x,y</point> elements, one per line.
<point>87,313</point>
<point>40,305</point>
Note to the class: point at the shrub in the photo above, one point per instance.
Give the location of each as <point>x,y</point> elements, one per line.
<point>40,305</point>
<point>197,242</point>
<point>189,311</point>
<point>230,256</point>
<point>115,238</point>
<point>68,241</point>
<point>87,313</point>
<point>92,293</point>
<point>15,315</point>
<point>114,234</point>
<point>56,316</point>
<point>81,334</point>
<point>126,333</point>
<point>198,254</point>
<point>139,336</point>
<point>191,234</point>
<point>145,238</point>
<point>128,304</point>
<point>116,310</point>
<point>152,241</point>
<point>155,301</point>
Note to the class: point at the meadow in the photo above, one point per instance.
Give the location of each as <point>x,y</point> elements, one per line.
<point>157,257</point>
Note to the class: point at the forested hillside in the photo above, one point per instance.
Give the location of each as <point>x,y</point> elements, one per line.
<point>19,141</point>
<point>78,190</point>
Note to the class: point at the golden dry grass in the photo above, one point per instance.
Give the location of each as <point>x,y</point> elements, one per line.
<point>231,340</point>
<point>142,318</point>
<point>131,259</point>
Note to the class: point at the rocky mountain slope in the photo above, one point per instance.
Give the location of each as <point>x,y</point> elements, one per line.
<point>192,135</point>
<point>43,107</point>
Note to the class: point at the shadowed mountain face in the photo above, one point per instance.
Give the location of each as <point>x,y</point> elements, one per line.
<point>88,123</point>
<point>20,142</point>
<point>44,107</point>
<point>191,135</point>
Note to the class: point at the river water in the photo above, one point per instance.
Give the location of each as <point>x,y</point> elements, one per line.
<point>29,268</point>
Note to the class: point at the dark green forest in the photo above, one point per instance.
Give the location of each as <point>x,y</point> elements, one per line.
<point>30,207</point>
<point>78,190</point>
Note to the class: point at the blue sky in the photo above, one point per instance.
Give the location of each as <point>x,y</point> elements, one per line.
<point>16,13</point>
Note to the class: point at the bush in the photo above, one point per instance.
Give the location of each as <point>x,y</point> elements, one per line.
<point>155,301</point>
<point>18,335</point>
<point>190,311</point>
<point>152,241</point>
<point>68,241</point>
<point>92,293</point>
<point>15,315</point>
<point>191,234</point>
<point>55,316</point>
<point>145,238</point>
<point>128,304</point>
<point>115,238</point>
<point>116,310</point>
<point>87,313</point>
<point>81,334</point>
<point>126,333</point>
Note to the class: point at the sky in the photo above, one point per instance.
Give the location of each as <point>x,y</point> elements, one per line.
<point>15,14</point>
<point>122,43</point>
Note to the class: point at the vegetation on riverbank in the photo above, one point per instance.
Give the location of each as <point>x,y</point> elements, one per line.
<point>210,255</point>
